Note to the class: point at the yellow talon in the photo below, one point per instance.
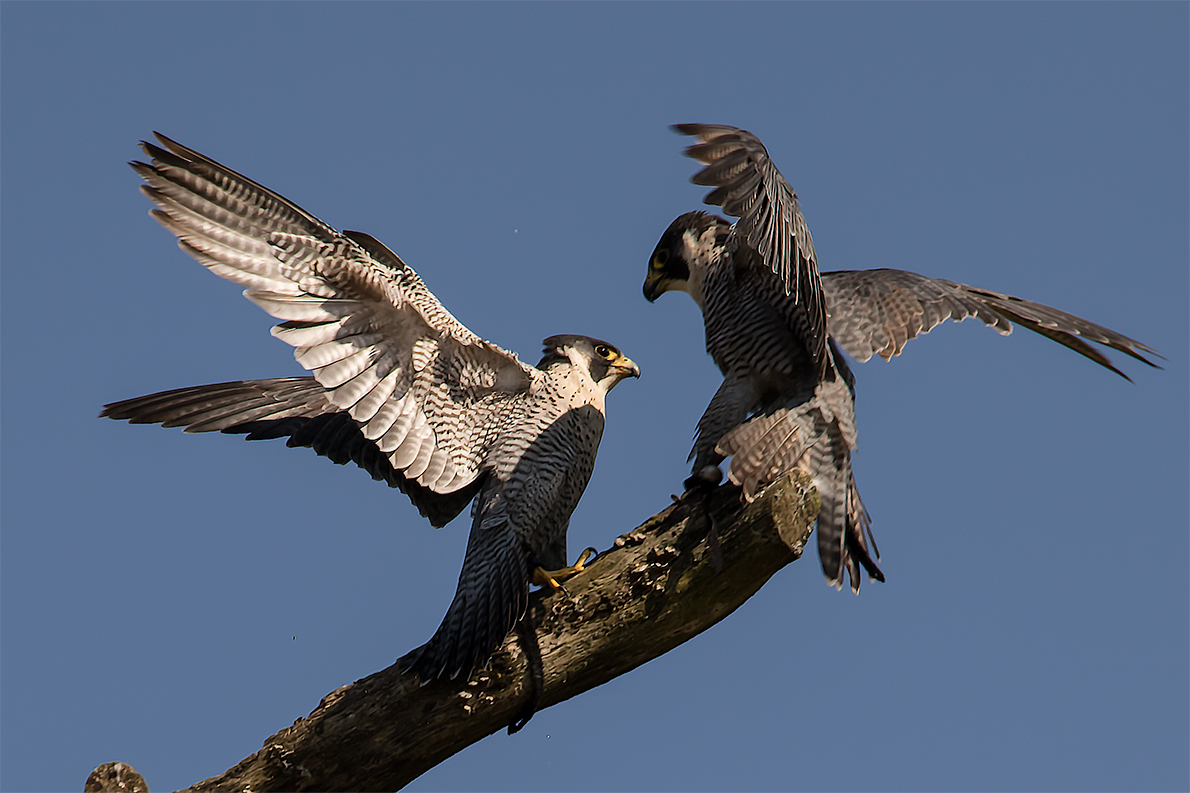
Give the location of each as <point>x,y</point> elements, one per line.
<point>543,577</point>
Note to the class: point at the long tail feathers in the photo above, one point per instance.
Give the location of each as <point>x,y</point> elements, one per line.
<point>491,597</point>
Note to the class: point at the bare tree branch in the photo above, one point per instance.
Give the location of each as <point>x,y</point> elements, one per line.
<point>661,584</point>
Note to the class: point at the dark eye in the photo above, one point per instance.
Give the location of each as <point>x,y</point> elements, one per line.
<point>660,259</point>
<point>603,351</point>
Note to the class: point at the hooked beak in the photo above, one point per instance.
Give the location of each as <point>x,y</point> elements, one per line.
<point>627,366</point>
<point>652,288</point>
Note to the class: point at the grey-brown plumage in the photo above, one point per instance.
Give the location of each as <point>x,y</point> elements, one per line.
<point>770,235</point>
<point>399,387</point>
<point>780,406</point>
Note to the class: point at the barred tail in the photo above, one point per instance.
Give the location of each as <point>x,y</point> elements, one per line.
<point>491,597</point>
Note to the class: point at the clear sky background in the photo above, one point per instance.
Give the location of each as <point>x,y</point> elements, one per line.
<point>171,600</point>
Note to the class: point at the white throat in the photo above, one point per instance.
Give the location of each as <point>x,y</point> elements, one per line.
<point>700,252</point>
<point>592,392</point>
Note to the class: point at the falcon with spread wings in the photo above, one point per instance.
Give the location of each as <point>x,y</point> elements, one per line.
<point>775,328</point>
<point>399,387</point>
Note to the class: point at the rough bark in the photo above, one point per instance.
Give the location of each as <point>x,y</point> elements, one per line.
<point>663,583</point>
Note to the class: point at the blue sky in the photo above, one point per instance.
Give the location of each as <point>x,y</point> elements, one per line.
<point>172,600</point>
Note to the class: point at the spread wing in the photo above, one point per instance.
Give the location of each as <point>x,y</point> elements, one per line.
<point>878,311</point>
<point>749,186</point>
<point>382,348</point>
<point>295,408</point>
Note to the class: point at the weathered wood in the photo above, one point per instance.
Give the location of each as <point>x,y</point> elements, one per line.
<point>659,586</point>
<point>115,778</point>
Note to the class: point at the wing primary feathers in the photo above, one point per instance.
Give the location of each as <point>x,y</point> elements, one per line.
<point>878,311</point>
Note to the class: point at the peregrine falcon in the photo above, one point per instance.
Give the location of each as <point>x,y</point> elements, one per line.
<point>399,387</point>
<point>788,396</point>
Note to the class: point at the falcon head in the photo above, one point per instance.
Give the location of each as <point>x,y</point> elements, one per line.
<point>602,361</point>
<point>690,243</point>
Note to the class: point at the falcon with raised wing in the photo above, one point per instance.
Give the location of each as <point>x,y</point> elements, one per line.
<point>398,386</point>
<point>775,327</point>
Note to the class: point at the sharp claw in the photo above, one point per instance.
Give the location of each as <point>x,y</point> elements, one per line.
<point>543,577</point>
